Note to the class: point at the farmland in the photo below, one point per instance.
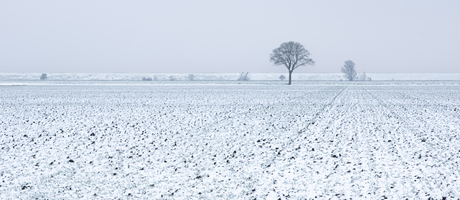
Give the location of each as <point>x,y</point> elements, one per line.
<point>224,140</point>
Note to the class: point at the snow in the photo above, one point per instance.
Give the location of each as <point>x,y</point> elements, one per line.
<point>230,140</point>
<point>164,77</point>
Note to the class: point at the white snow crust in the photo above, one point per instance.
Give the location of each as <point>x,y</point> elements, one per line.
<point>263,140</point>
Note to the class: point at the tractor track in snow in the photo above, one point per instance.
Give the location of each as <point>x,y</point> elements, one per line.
<point>321,110</point>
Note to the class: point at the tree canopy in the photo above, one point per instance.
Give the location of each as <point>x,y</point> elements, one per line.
<point>292,55</point>
<point>349,70</point>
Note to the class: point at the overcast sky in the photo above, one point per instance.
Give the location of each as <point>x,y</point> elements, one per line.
<point>411,36</point>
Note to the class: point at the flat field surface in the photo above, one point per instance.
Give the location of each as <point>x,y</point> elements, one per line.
<point>224,140</point>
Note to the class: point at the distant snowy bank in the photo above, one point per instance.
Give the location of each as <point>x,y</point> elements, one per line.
<point>218,76</point>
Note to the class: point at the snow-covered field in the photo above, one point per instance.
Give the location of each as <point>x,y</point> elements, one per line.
<point>230,140</point>
<point>220,76</point>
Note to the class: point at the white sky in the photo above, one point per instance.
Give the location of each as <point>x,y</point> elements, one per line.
<point>410,36</point>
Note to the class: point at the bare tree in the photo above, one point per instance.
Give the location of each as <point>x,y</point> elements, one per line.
<point>243,77</point>
<point>191,77</point>
<point>282,77</point>
<point>363,77</point>
<point>172,78</point>
<point>349,70</point>
<point>43,77</point>
<point>292,55</point>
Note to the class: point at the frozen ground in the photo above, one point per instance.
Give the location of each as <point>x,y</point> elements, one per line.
<point>224,140</point>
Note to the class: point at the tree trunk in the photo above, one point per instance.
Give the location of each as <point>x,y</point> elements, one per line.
<point>290,72</point>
